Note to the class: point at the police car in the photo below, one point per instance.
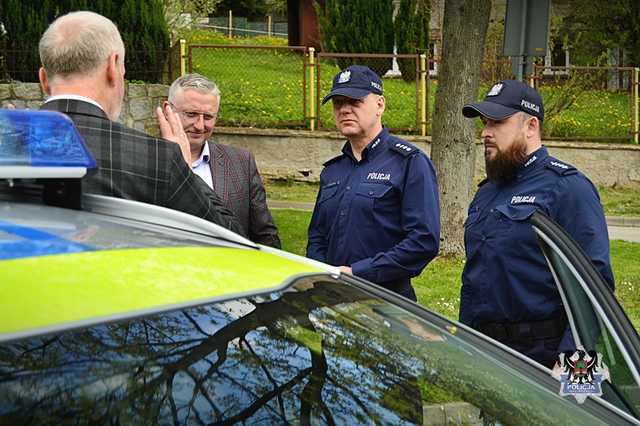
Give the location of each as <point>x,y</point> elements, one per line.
<point>118,312</point>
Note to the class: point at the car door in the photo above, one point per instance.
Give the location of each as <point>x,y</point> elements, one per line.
<point>597,320</point>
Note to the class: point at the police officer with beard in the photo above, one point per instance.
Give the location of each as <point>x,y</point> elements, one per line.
<point>508,291</point>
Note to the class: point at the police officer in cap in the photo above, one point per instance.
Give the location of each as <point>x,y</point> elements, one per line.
<point>507,290</point>
<point>376,214</point>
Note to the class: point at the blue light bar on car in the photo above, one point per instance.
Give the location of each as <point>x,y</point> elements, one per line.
<point>41,144</point>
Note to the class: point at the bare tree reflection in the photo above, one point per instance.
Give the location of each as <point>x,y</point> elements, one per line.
<point>285,358</point>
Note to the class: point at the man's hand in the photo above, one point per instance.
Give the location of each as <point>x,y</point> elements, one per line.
<point>345,270</point>
<point>171,130</point>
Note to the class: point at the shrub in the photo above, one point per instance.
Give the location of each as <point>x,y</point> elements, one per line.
<point>412,33</point>
<point>141,24</point>
<point>358,26</point>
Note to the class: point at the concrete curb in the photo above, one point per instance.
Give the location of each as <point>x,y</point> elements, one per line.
<point>625,221</point>
<point>295,205</point>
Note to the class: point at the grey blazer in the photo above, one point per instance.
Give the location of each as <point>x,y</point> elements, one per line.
<point>237,181</point>
<point>136,166</point>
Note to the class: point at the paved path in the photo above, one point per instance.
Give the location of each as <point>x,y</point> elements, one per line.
<point>624,228</point>
<point>620,228</point>
<point>625,233</point>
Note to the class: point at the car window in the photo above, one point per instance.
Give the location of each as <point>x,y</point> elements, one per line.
<point>31,229</point>
<point>320,352</point>
<point>596,324</point>
<point>592,333</point>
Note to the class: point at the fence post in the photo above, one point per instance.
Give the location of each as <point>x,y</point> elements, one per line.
<point>230,24</point>
<point>312,90</point>
<point>636,105</point>
<point>183,57</point>
<point>423,94</point>
<point>269,25</point>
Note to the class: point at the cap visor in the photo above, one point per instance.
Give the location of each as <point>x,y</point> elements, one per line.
<point>488,109</point>
<point>349,92</point>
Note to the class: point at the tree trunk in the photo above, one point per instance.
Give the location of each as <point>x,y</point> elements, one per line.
<point>453,144</point>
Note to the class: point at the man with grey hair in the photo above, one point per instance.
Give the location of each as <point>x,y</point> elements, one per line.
<point>231,172</point>
<point>83,75</point>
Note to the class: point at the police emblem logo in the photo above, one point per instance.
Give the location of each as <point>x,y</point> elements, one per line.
<point>495,90</point>
<point>581,374</point>
<point>344,76</point>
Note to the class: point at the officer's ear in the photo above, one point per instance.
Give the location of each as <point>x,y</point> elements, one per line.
<point>380,104</point>
<point>532,126</point>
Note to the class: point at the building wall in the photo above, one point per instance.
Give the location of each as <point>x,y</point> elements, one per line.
<point>300,154</point>
<point>138,110</point>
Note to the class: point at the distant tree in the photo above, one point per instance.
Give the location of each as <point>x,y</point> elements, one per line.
<point>24,22</point>
<point>412,33</point>
<point>250,9</point>
<point>592,28</point>
<point>358,26</point>
<point>277,7</point>
<point>180,13</point>
<point>141,24</point>
<point>146,38</point>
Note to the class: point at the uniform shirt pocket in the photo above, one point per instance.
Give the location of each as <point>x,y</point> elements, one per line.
<point>517,212</point>
<point>377,197</point>
<point>328,192</point>
<point>503,218</point>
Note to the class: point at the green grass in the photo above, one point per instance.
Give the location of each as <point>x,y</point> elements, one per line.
<point>287,190</point>
<point>596,113</point>
<point>264,88</point>
<point>620,201</point>
<point>616,201</point>
<point>292,229</point>
<point>438,287</point>
<point>626,270</point>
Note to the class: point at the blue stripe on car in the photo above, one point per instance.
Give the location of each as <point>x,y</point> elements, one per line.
<point>34,242</point>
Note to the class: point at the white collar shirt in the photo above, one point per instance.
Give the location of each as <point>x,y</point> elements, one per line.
<point>74,97</point>
<point>201,165</point>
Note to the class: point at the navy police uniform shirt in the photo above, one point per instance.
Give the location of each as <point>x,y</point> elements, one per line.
<point>380,215</point>
<point>506,277</point>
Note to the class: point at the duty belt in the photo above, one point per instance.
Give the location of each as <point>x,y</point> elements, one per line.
<point>525,331</point>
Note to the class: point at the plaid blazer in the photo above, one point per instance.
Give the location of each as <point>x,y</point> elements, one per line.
<point>136,166</point>
<point>237,181</point>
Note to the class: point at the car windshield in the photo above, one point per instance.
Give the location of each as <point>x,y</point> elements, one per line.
<point>321,352</point>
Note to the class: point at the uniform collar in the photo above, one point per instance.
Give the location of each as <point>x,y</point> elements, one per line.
<point>533,161</point>
<point>372,149</point>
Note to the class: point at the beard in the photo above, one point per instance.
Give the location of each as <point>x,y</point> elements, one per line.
<point>502,168</point>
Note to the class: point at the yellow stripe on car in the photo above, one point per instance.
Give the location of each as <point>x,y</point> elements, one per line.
<point>53,291</point>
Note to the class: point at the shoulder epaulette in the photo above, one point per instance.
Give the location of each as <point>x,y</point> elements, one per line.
<point>402,147</point>
<point>332,160</point>
<point>561,168</point>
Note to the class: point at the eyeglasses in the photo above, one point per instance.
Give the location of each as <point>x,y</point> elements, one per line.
<point>192,116</point>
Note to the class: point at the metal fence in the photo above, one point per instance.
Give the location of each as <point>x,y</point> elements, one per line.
<point>405,106</point>
<point>586,103</point>
<point>242,27</point>
<point>261,86</point>
<point>282,87</point>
